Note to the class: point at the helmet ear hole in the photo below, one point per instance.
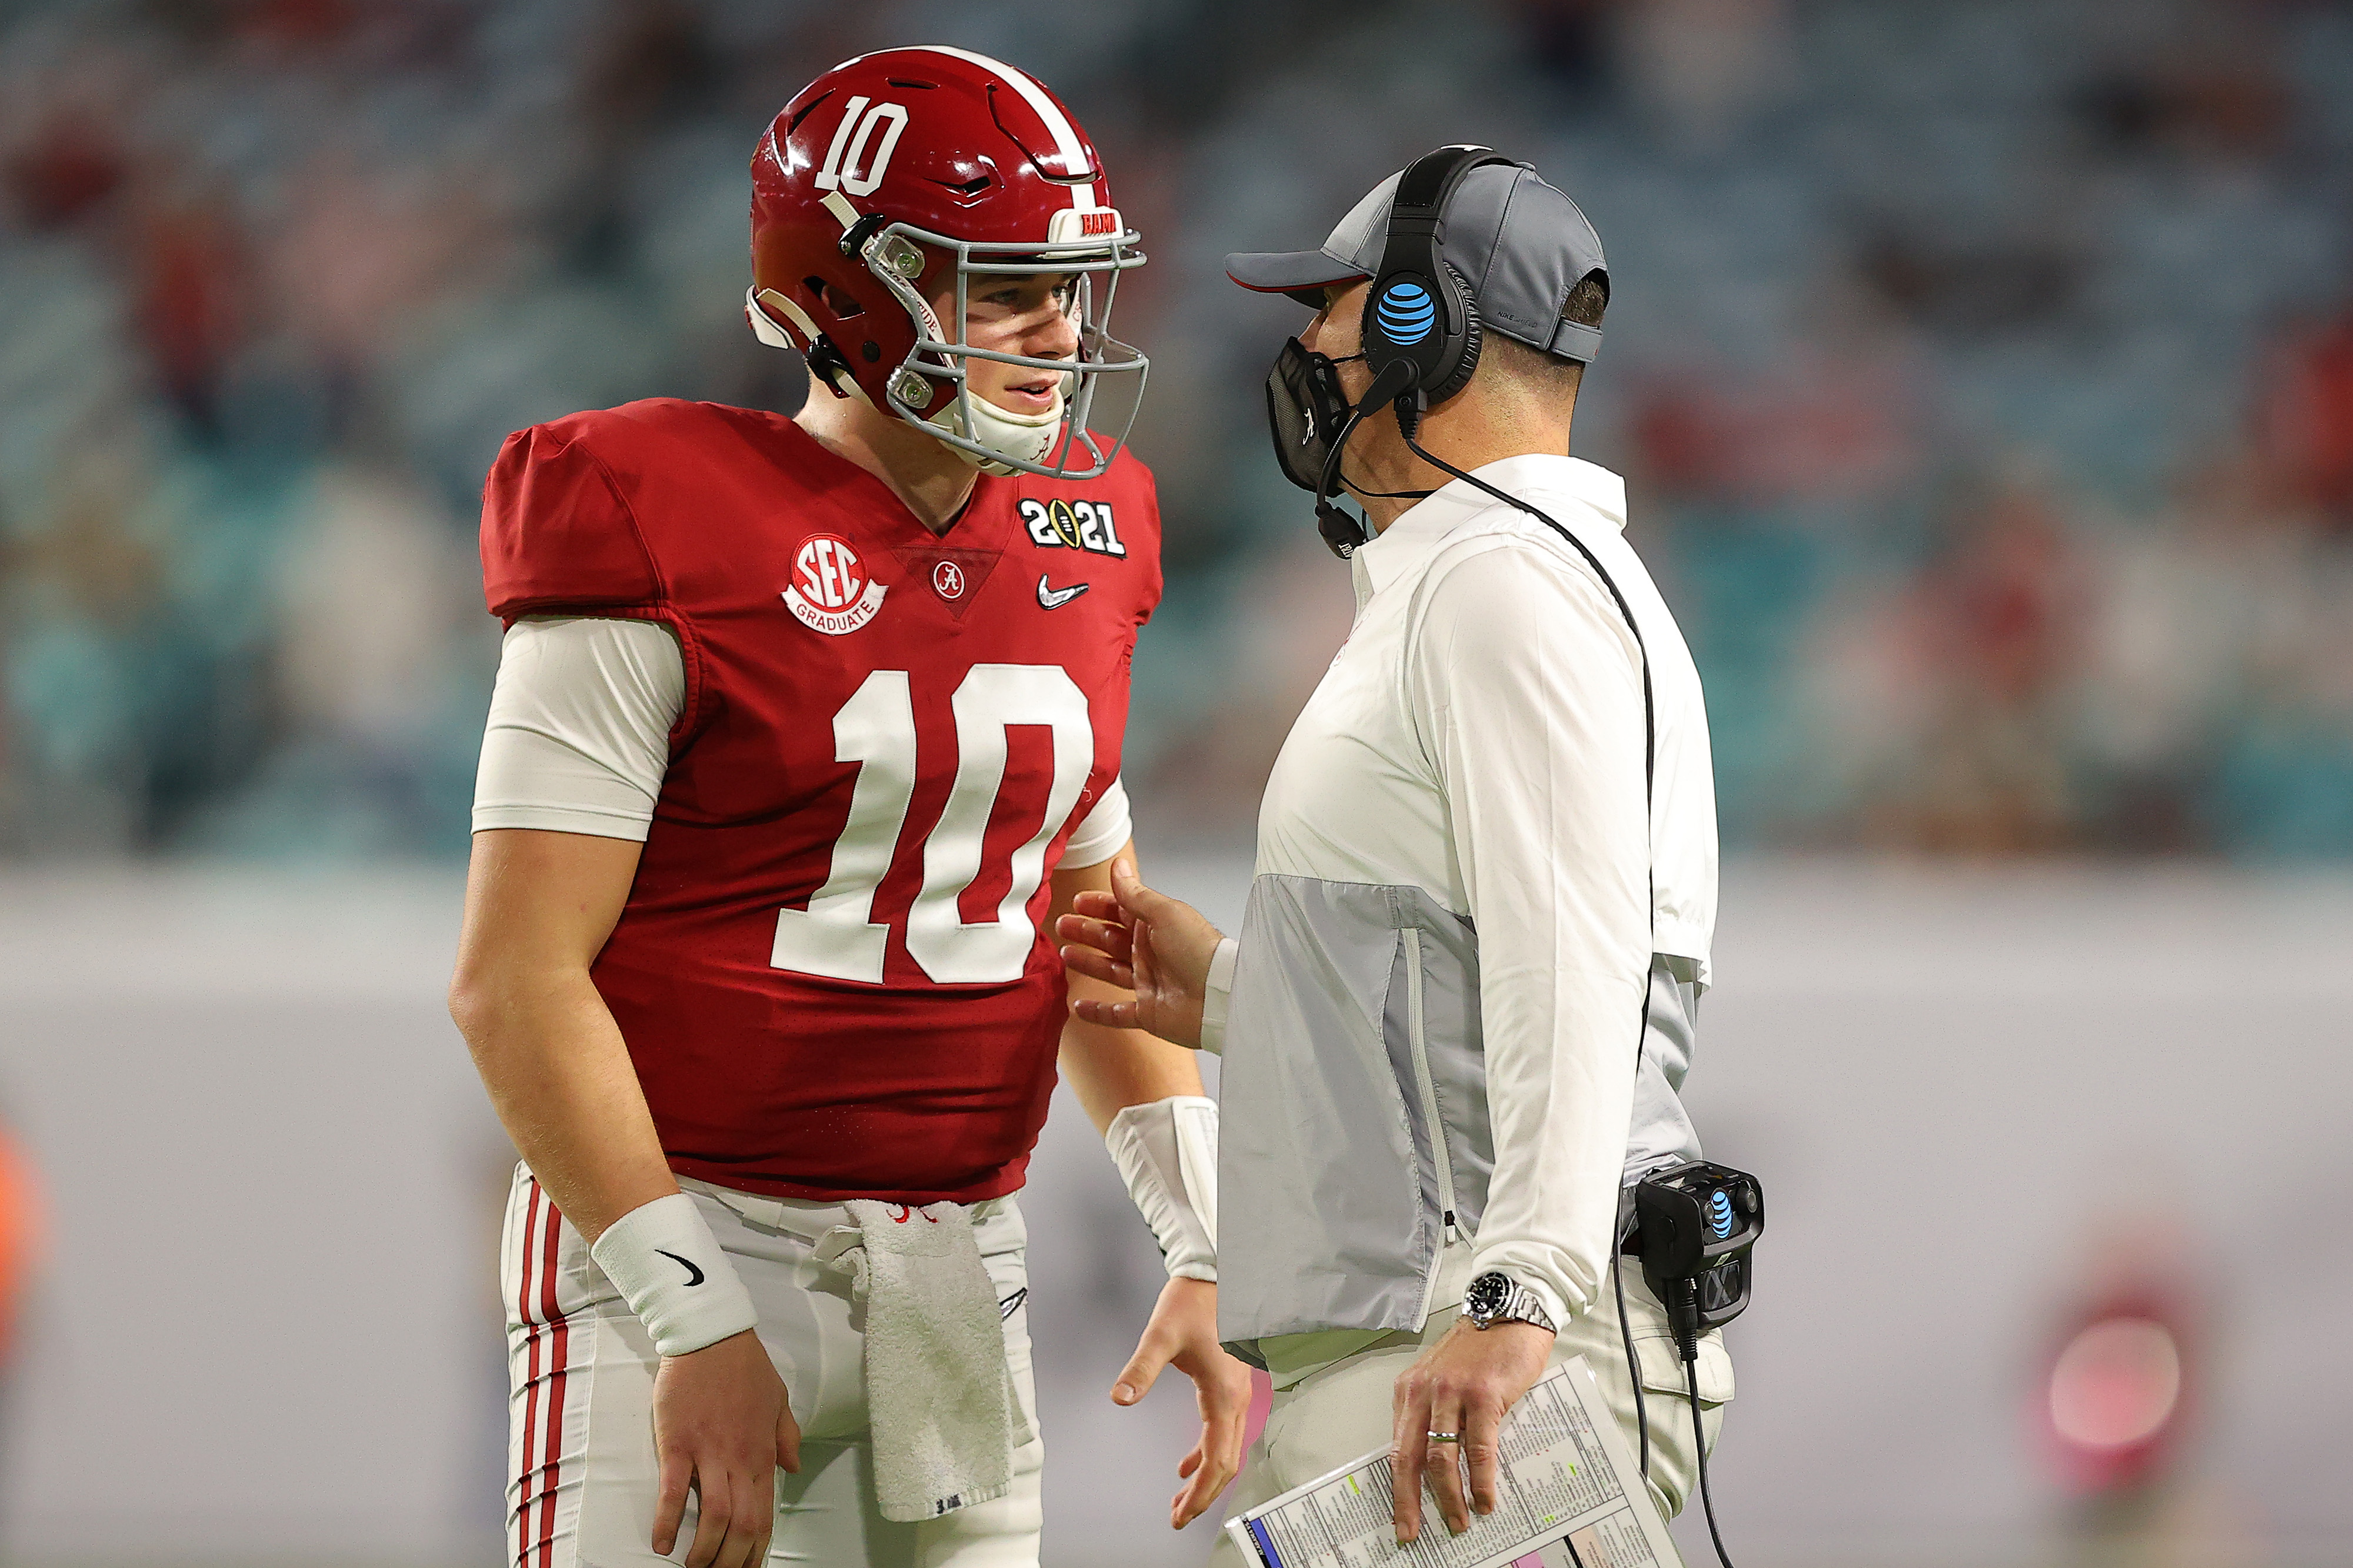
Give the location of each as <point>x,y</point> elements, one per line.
<point>841,301</point>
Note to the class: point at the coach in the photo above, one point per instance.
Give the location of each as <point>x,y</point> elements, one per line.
<point>1485,882</point>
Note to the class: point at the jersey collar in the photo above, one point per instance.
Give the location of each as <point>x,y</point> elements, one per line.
<point>1544,478</point>
<point>983,523</point>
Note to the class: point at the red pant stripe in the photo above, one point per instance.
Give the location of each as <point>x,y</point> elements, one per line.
<point>559,1362</point>
<point>524,1294</point>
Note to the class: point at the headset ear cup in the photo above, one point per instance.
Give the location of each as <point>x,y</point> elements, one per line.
<point>1374,341</point>
<point>1466,358</point>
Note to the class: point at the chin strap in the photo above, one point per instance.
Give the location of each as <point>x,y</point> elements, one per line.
<point>1029,436</point>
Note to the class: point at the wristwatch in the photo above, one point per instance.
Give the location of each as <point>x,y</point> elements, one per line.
<point>1496,1297</point>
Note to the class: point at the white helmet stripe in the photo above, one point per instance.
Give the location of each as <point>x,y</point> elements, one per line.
<point>1066,140</point>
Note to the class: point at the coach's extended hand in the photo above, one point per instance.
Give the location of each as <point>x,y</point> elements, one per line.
<point>1146,943</point>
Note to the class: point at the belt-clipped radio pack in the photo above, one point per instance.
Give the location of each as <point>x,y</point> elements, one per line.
<point>1697,1223</point>
<point>1694,1226</point>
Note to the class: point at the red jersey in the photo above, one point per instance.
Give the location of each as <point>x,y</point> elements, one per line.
<point>830,971</point>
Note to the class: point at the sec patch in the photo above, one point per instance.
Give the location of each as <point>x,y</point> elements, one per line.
<point>832,592</point>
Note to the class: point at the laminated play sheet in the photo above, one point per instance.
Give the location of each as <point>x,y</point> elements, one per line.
<point>1564,1501</point>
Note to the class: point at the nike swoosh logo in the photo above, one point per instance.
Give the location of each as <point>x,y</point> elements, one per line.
<point>696,1274</point>
<point>1055,598</point>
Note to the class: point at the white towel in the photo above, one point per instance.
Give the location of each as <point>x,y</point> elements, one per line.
<point>936,1385</point>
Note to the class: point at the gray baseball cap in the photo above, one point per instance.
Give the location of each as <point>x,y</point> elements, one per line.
<point>1521,244</point>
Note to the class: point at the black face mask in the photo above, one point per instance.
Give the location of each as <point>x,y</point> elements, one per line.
<point>1310,419</point>
<point>1306,412</point>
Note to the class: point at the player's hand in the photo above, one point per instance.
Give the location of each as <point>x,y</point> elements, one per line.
<point>1146,943</point>
<point>1466,1383</point>
<point>1183,1333</point>
<point>722,1426</point>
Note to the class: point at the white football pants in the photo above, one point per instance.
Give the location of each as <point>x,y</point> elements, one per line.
<point>1343,1412</point>
<point>580,1444</point>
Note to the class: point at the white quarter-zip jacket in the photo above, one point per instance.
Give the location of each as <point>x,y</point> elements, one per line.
<point>1471,896</point>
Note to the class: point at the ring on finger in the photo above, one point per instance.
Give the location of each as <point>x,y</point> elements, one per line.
<point>1445,1436</point>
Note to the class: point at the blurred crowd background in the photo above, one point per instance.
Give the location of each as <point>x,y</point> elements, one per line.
<point>1983,371</point>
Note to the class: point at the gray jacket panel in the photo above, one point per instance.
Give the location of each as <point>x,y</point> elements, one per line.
<point>1335,1218</point>
<point>1352,1099</point>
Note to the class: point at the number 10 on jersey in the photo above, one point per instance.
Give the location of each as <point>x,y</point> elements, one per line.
<point>837,936</point>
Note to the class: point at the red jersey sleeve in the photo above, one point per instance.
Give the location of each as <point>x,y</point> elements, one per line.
<point>556,534</point>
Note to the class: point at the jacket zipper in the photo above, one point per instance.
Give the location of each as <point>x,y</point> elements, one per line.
<point>1427,1084</point>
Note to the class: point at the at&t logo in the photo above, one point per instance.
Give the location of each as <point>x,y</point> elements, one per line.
<point>1406,313</point>
<point>831,591</point>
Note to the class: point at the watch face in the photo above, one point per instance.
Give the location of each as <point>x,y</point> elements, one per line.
<point>1487,1293</point>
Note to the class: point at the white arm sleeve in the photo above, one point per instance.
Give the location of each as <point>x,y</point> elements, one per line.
<point>1528,686</point>
<point>1167,1150</point>
<point>579,730</point>
<point>1105,832</point>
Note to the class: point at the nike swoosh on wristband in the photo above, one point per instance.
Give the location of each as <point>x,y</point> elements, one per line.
<point>696,1274</point>
<point>1055,598</point>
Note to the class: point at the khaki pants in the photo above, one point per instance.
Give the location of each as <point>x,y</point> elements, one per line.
<point>1341,1413</point>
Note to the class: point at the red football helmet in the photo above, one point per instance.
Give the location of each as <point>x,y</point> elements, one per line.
<point>883,172</point>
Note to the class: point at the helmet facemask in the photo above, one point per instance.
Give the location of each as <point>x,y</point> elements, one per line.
<point>1056,442</point>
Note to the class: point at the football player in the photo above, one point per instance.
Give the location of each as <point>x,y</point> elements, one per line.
<point>804,732</point>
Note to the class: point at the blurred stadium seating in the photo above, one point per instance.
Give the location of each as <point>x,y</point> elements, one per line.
<point>1984,371</point>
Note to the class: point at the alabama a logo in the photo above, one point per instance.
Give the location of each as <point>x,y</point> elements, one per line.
<point>832,591</point>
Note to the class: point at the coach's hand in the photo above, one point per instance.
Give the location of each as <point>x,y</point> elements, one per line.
<point>1146,943</point>
<point>1465,1383</point>
<point>1184,1332</point>
<point>721,1424</point>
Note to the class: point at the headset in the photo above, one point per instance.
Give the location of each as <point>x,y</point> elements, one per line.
<point>1421,330</point>
<point>1420,336</point>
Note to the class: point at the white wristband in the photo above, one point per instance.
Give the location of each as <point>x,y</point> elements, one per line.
<point>1167,1151</point>
<point>1218,995</point>
<point>666,1263</point>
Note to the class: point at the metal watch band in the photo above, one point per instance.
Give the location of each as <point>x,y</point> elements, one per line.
<point>1517,1303</point>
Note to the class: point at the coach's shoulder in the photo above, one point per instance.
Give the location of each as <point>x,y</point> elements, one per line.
<point>1509,580</point>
